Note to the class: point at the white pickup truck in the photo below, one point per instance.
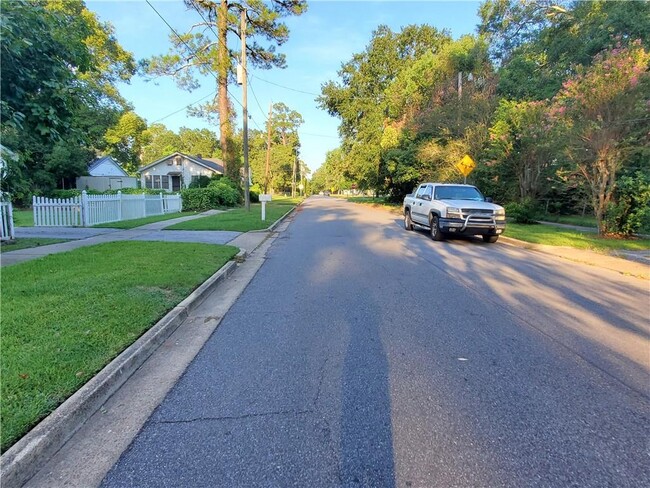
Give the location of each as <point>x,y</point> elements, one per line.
<point>447,209</point>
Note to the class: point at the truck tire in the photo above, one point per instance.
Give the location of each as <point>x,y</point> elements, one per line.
<point>408,223</point>
<point>436,233</point>
<point>490,239</point>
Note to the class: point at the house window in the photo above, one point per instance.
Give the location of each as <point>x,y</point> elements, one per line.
<point>156,182</point>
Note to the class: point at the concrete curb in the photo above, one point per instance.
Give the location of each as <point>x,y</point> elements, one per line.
<point>25,458</point>
<point>612,263</point>
<point>273,226</point>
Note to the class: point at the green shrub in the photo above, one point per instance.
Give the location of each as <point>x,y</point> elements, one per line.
<point>630,212</point>
<point>255,197</point>
<point>224,180</point>
<point>523,212</point>
<point>64,193</point>
<point>227,196</point>
<point>202,181</point>
<point>199,199</point>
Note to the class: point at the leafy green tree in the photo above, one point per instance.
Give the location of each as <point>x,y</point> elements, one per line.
<point>359,98</point>
<point>196,142</point>
<point>522,143</point>
<point>600,108</point>
<point>439,109</point>
<point>541,42</point>
<point>158,142</point>
<point>59,66</point>
<point>206,52</point>
<point>509,24</point>
<point>284,154</point>
<point>125,140</point>
<point>332,175</point>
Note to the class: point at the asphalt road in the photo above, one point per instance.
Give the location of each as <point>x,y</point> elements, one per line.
<point>365,355</point>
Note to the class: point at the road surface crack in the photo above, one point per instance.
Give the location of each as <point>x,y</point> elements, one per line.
<point>236,417</point>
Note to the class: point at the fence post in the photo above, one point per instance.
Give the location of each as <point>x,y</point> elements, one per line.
<point>119,205</point>
<point>35,210</point>
<point>144,205</point>
<point>10,212</point>
<point>84,208</point>
<point>162,204</point>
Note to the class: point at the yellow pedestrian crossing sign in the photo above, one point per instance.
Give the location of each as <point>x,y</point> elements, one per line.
<point>466,165</point>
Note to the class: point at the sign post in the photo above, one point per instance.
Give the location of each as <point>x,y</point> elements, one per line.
<point>466,166</point>
<point>263,199</point>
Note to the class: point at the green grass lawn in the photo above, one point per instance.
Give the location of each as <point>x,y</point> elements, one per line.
<point>66,316</point>
<point>381,202</point>
<point>27,242</point>
<point>23,217</point>
<point>131,224</point>
<point>555,236</point>
<point>238,219</point>
<point>586,221</point>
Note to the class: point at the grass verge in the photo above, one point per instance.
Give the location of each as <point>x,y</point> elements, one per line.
<point>23,217</point>
<point>27,242</point>
<point>579,220</point>
<point>131,224</point>
<point>62,323</point>
<point>555,236</point>
<point>238,219</point>
<point>381,202</point>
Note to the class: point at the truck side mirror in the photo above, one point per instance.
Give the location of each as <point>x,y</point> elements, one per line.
<point>488,199</point>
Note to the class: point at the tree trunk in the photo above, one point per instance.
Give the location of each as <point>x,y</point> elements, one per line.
<point>225,129</point>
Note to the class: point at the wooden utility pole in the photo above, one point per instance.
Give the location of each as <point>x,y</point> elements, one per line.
<point>293,177</point>
<point>268,150</point>
<point>247,194</point>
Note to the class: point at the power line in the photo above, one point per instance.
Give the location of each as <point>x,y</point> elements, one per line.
<point>317,135</point>
<point>286,87</point>
<point>190,47</point>
<point>185,107</point>
<point>256,100</point>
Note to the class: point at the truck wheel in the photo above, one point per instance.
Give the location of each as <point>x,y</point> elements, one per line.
<point>408,223</point>
<point>490,239</point>
<point>436,233</point>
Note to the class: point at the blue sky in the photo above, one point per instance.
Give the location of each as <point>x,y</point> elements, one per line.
<point>320,41</point>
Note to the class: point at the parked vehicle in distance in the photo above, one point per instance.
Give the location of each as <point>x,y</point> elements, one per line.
<point>447,209</point>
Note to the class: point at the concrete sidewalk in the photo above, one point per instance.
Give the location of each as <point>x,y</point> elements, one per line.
<point>82,237</point>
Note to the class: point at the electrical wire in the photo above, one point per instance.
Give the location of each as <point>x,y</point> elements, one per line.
<point>189,48</point>
<point>216,78</point>
<point>286,87</point>
<point>185,107</point>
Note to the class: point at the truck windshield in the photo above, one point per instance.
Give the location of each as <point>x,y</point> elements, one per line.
<point>458,193</point>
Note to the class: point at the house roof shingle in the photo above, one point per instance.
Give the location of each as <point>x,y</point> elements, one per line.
<point>211,163</point>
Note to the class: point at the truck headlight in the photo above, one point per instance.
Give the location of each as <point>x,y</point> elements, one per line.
<point>453,213</point>
<point>500,212</point>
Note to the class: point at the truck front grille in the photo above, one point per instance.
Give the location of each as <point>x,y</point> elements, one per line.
<point>477,213</point>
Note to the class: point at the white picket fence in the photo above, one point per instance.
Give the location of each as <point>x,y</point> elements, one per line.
<point>6,221</point>
<point>88,210</point>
